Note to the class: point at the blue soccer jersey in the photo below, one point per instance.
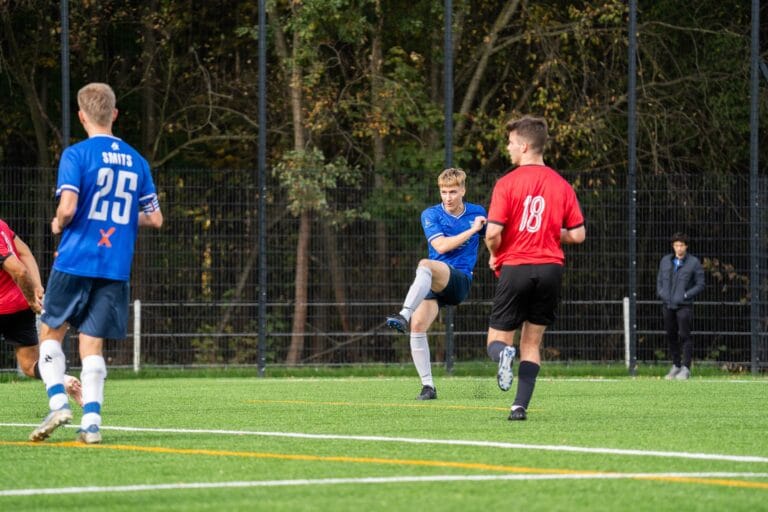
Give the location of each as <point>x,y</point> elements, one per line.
<point>437,222</point>
<point>114,184</point>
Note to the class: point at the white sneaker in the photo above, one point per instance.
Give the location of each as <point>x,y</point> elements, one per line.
<point>74,389</point>
<point>51,422</point>
<point>504,375</point>
<point>90,435</point>
<point>683,374</point>
<point>672,372</point>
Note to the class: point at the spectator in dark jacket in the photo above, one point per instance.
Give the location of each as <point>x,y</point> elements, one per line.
<point>680,280</point>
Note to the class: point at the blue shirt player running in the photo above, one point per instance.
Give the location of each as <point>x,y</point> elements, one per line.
<point>453,230</point>
<point>105,193</point>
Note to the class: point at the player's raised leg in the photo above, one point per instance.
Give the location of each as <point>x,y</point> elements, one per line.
<point>500,350</point>
<point>420,287</point>
<point>431,276</point>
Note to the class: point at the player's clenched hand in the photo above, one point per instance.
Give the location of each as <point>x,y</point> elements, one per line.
<point>478,223</point>
<point>492,263</point>
<point>55,228</point>
<point>37,305</point>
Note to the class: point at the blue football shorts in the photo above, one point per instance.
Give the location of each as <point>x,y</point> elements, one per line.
<point>94,306</point>
<point>454,292</point>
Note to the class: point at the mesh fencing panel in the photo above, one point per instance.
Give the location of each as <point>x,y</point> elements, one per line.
<point>197,278</point>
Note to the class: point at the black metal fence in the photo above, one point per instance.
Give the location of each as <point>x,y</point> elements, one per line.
<point>198,285</point>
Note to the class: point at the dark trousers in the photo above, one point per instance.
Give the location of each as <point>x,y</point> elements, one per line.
<point>677,324</point>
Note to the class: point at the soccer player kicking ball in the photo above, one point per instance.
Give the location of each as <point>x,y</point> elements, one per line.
<point>453,229</point>
<point>533,211</point>
<point>105,193</point>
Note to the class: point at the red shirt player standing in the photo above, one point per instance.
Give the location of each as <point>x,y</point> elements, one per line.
<point>533,212</point>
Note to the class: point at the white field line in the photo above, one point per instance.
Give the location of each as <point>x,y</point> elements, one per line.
<point>451,442</point>
<point>653,379</point>
<point>367,480</point>
<point>304,380</point>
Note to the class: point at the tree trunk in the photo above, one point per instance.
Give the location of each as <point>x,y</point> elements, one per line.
<point>337,276</point>
<point>382,247</point>
<point>296,347</point>
<point>300,291</point>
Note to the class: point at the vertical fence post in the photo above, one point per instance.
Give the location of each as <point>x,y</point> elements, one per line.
<point>632,181</point>
<point>65,97</point>
<point>65,122</point>
<point>448,112</point>
<point>627,336</point>
<point>262,164</point>
<point>449,345</point>
<point>754,200</point>
<point>136,335</point>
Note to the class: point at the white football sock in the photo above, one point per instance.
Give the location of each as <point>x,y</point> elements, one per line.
<point>92,378</point>
<point>420,355</point>
<point>419,289</point>
<point>52,364</point>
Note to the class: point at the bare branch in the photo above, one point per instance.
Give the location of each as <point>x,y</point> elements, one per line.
<point>199,140</point>
<point>488,46</point>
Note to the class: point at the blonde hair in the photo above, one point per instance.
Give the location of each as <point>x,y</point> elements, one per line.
<point>97,101</point>
<point>451,178</point>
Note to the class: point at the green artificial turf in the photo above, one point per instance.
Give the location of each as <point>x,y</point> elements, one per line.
<point>199,431</point>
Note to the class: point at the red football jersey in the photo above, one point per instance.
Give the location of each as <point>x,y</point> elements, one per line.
<point>11,298</point>
<point>533,203</point>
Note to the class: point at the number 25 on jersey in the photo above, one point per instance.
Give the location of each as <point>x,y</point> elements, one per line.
<point>117,205</point>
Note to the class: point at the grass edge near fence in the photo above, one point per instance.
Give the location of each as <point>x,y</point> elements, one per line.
<point>460,369</point>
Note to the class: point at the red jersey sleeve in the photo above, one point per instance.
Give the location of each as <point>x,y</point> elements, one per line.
<point>11,298</point>
<point>573,216</point>
<point>6,241</point>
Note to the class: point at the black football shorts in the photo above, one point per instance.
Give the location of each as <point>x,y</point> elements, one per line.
<point>19,328</point>
<point>526,293</point>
